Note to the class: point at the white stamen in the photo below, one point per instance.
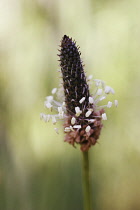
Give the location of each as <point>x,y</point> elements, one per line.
<point>77,126</point>
<point>109,89</point>
<point>87,129</point>
<point>53,120</point>
<point>73,120</point>
<point>41,116</point>
<point>116,103</point>
<point>60,109</point>
<point>64,104</point>
<point>78,111</point>
<point>97,82</point>
<point>67,129</point>
<point>56,129</point>
<point>112,91</point>
<point>103,84</point>
<point>88,113</point>
<point>71,128</point>
<point>99,92</point>
<point>91,120</point>
<point>91,110</point>
<point>54,90</point>
<point>102,98</point>
<point>91,101</point>
<point>49,98</point>
<point>90,77</point>
<point>61,112</point>
<point>45,117</point>
<point>61,115</point>
<point>82,100</point>
<point>48,105</point>
<point>109,105</point>
<point>104,117</point>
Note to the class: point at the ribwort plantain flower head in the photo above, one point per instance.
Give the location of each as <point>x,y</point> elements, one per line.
<point>77,107</point>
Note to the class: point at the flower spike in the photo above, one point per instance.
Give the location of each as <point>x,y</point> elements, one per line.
<point>80,112</point>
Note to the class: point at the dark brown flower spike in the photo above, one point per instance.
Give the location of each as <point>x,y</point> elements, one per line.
<point>74,80</point>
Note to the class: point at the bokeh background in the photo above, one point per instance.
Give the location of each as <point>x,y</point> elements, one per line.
<point>38,171</point>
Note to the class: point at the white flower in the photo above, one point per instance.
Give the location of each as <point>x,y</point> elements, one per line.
<point>101,92</point>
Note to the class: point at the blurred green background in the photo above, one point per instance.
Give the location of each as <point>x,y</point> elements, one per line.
<point>38,171</point>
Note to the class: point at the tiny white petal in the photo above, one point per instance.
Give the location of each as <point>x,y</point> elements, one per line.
<point>82,100</point>
<point>99,92</point>
<point>77,126</point>
<point>88,113</point>
<point>116,103</point>
<point>49,98</point>
<point>54,90</point>
<point>53,120</point>
<point>104,117</point>
<point>56,129</point>
<point>91,100</point>
<point>109,105</point>
<point>73,120</point>
<point>87,129</point>
<point>78,111</point>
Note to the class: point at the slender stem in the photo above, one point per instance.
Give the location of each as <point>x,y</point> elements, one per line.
<point>86,182</point>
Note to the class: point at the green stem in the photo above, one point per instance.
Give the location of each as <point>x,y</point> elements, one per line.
<point>86,182</point>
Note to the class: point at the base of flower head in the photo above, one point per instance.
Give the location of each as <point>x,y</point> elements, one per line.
<point>87,133</point>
